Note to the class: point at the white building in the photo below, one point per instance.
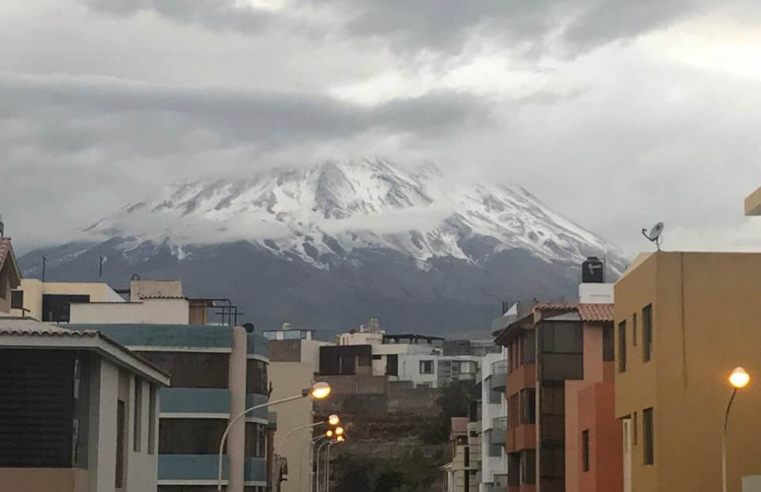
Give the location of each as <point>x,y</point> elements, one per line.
<point>420,359</point>
<point>493,423</point>
<point>78,412</point>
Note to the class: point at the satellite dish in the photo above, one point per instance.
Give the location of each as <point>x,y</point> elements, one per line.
<point>655,234</point>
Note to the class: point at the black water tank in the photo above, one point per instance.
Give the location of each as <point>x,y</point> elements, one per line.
<point>593,271</point>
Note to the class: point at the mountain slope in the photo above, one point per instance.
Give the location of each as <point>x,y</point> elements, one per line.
<point>331,244</point>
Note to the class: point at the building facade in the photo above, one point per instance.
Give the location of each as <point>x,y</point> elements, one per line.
<point>78,412</point>
<point>753,203</point>
<point>461,474</point>
<point>294,357</point>
<point>493,409</point>
<point>218,372</point>
<point>683,322</point>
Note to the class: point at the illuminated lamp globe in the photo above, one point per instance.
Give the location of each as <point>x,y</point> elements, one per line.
<point>334,420</point>
<point>320,391</point>
<point>739,378</point>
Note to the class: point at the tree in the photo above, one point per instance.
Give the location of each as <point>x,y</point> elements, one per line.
<point>454,401</point>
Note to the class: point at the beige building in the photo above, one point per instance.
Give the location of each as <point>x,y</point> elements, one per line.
<point>146,302</point>
<point>461,474</point>
<point>294,360</point>
<point>78,412</point>
<point>683,322</point>
<point>753,203</point>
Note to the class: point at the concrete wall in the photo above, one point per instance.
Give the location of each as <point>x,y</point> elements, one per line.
<point>153,311</point>
<point>288,379</point>
<point>35,289</point>
<point>705,323</point>
<point>44,479</point>
<point>5,288</point>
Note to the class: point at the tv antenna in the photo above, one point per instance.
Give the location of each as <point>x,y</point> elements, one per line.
<point>655,234</point>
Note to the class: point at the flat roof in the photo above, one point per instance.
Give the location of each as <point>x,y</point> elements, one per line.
<point>17,332</point>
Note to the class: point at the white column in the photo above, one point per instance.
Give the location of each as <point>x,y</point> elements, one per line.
<point>237,438</point>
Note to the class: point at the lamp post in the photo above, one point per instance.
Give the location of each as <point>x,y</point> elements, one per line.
<point>319,477</point>
<point>739,379</point>
<point>338,440</point>
<point>318,391</point>
<point>310,445</point>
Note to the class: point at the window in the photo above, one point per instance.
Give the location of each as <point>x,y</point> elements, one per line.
<point>647,332</point>
<point>529,347</point>
<point>190,436</point>
<point>193,369</point>
<point>622,346</point>
<point>426,367</point>
<point>467,456</point>
<point>528,406</point>
<point>634,329</point>
<point>552,461</point>
<point>635,424</point>
<point>256,376</point>
<point>648,434</point>
<point>17,299</point>
<point>137,426</point>
<point>152,420</point>
<point>513,469</point>
<point>256,440</point>
<point>121,422</point>
<point>528,467</point>
<point>495,397</point>
<point>608,344</point>
<point>585,450</point>
<point>364,360</point>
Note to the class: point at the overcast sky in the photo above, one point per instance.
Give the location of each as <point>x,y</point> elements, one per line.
<point>617,113</point>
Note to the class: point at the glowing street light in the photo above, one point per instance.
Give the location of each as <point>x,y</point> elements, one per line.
<point>739,379</point>
<point>334,420</point>
<point>329,434</point>
<point>320,391</point>
<point>339,431</point>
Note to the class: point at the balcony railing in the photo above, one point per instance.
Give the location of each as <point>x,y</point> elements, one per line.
<point>498,375</point>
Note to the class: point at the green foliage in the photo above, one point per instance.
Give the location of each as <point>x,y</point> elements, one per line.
<point>412,473</point>
<point>453,401</point>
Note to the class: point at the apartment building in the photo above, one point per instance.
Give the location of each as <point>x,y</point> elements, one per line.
<point>562,434</point>
<point>418,359</point>
<point>461,474</point>
<point>683,322</point>
<point>78,412</point>
<point>145,301</point>
<point>493,418</point>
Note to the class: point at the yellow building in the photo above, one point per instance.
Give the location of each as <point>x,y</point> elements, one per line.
<point>753,203</point>
<point>683,322</point>
<point>49,301</point>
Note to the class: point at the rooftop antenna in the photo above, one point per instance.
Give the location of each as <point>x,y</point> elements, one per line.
<point>100,267</point>
<point>655,234</point>
<point>44,263</point>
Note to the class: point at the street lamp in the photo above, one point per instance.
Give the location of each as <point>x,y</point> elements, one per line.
<point>739,379</point>
<point>318,391</point>
<point>338,440</point>
<point>332,420</point>
<point>339,431</point>
<point>319,450</point>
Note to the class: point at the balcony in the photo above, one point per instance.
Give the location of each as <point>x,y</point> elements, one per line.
<point>498,375</point>
<point>499,427</point>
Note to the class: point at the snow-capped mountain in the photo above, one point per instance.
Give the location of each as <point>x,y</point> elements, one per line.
<point>318,214</point>
<point>329,245</point>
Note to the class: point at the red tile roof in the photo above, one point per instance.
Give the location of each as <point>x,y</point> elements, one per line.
<point>588,312</point>
<point>6,254</point>
<point>596,312</point>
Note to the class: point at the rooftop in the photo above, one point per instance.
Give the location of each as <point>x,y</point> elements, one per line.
<point>6,255</point>
<point>22,332</point>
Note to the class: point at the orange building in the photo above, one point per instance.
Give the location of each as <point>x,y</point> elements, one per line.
<point>562,432</point>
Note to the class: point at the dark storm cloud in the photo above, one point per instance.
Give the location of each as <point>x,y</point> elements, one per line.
<point>71,114</point>
<point>568,26</point>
